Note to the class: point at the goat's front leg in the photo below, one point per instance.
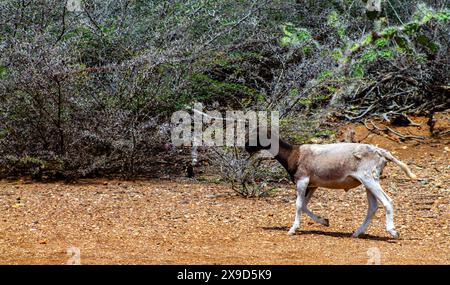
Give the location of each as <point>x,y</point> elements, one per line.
<point>301,185</point>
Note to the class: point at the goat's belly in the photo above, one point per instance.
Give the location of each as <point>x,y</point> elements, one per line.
<point>345,183</point>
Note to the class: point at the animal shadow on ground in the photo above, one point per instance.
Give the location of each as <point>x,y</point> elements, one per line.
<point>331,234</point>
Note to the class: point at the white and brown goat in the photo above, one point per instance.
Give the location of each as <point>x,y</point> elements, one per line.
<point>337,166</point>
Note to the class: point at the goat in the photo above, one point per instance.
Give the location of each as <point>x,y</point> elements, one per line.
<point>336,166</point>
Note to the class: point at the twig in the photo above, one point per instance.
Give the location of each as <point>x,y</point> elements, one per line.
<point>402,136</point>
<point>361,115</point>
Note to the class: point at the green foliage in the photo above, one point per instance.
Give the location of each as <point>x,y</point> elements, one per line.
<point>357,70</point>
<point>390,42</point>
<point>354,47</point>
<point>387,54</point>
<point>294,92</point>
<point>342,32</point>
<point>325,133</point>
<point>389,32</point>
<point>424,14</point>
<point>411,28</point>
<point>402,43</point>
<point>443,16</point>
<point>425,41</point>
<point>33,165</point>
<point>325,74</point>
<point>307,49</point>
<point>369,55</point>
<point>91,89</point>
<point>333,19</point>
<point>367,40</point>
<point>305,101</point>
<point>294,36</point>
<point>27,160</point>
<point>301,131</point>
<point>3,71</point>
<point>379,43</point>
<point>3,133</point>
<point>207,88</point>
<point>337,54</point>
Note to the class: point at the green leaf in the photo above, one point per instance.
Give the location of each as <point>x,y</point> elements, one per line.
<point>367,40</point>
<point>285,41</point>
<point>425,41</point>
<point>358,70</point>
<point>289,29</point>
<point>442,16</point>
<point>381,43</point>
<point>325,74</point>
<point>303,35</point>
<point>370,55</point>
<point>3,71</point>
<point>307,49</point>
<point>342,32</point>
<point>354,47</point>
<point>401,42</point>
<point>388,32</point>
<point>400,50</point>
<point>411,28</point>
<point>294,92</point>
<point>337,54</point>
<point>305,101</point>
<point>332,89</point>
<point>294,36</point>
<point>387,54</point>
<point>3,133</point>
<point>333,19</point>
<point>423,13</point>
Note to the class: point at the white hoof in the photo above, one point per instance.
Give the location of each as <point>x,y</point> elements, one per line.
<point>394,233</point>
<point>291,232</point>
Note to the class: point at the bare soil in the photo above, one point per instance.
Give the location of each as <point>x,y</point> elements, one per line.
<point>181,221</point>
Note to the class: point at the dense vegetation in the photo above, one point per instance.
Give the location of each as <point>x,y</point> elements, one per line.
<point>90,92</point>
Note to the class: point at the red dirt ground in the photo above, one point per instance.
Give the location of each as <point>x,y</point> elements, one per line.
<point>184,222</point>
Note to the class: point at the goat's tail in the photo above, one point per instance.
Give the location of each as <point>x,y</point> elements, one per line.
<point>386,154</point>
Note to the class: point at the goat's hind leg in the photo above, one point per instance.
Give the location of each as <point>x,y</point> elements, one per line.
<point>301,185</point>
<point>309,192</point>
<point>373,206</point>
<point>375,188</point>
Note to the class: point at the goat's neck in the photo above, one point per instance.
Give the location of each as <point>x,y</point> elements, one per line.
<point>288,156</point>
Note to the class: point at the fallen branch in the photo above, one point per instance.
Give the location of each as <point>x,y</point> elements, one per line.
<point>388,129</point>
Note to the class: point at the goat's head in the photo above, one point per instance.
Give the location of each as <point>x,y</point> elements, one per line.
<point>256,141</point>
<point>252,149</point>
